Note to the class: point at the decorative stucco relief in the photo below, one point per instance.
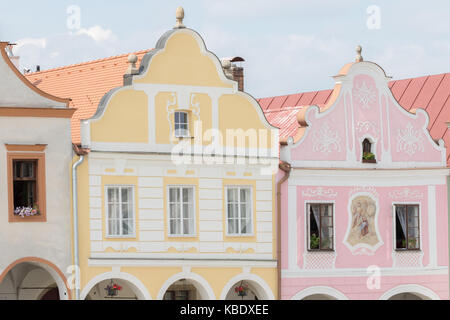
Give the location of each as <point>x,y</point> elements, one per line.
<point>326,139</point>
<point>319,192</point>
<point>409,140</point>
<point>405,193</point>
<point>365,95</point>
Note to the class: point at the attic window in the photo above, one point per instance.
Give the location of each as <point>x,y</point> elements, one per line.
<point>367,156</point>
<point>181,124</point>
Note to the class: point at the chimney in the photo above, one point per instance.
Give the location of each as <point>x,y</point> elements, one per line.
<point>233,70</point>
<point>14,59</point>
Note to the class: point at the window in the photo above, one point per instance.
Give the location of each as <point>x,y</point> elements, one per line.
<point>181,124</point>
<point>239,211</point>
<point>320,217</point>
<point>181,211</point>
<point>407,233</point>
<point>368,156</point>
<point>120,211</point>
<point>26,184</point>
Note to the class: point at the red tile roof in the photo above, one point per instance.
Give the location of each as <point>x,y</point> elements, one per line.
<point>86,83</point>
<point>431,93</point>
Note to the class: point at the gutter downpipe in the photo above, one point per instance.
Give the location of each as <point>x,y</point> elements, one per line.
<point>75,225</point>
<point>286,167</point>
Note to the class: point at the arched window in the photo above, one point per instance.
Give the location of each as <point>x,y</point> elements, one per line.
<point>367,155</point>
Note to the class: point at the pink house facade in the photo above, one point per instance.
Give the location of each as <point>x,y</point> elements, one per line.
<point>364,208</point>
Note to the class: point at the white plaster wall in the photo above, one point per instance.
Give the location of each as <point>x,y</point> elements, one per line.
<point>47,240</point>
<point>13,92</point>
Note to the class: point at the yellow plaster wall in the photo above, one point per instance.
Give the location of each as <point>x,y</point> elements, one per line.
<point>237,112</point>
<point>152,277</point>
<point>181,62</point>
<point>125,119</point>
<point>217,277</point>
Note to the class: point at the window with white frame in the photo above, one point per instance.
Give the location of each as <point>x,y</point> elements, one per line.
<point>320,226</point>
<point>181,211</point>
<point>407,231</point>
<point>239,211</point>
<point>120,210</point>
<point>181,124</point>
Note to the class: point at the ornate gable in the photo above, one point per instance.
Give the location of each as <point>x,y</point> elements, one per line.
<point>363,126</point>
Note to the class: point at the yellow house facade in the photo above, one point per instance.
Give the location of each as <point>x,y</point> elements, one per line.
<point>175,188</point>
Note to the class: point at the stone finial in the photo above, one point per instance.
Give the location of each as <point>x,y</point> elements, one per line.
<point>226,66</point>
<point>359,57</point>
<point>180,16</point>
<point>132,59</point>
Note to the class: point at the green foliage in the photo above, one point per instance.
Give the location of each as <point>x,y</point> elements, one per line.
<point>368,156</point>
<point>314,241</point>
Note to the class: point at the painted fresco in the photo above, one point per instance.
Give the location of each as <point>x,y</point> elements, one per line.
<point>363,210</point>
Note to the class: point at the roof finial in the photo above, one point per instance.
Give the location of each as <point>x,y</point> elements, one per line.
<point>180,16</point>
<point>359,57</point>
<point>132,59</point>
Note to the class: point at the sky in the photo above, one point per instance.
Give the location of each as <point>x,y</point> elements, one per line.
<point>289,46</point>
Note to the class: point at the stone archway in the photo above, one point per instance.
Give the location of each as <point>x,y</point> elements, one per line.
<point>31,279</point>
<point>319,293</point>
<point>112,289</point>
<point>410,292</point>
<point>128,287</point>
<point>186,284</point>
<point>256,288</point>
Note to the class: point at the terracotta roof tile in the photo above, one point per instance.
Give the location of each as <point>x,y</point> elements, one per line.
<point>85,83</point>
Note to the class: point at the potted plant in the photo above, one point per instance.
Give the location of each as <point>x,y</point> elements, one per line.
<point>314,242</point>
<point>112,289</point>
<point>27,211</point>
<point>412,244</point>
<point>241,289</point>
<point>368,157</point>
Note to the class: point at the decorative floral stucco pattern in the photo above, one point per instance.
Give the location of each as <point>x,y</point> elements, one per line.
<point>405,193</point>
<point>367,127</point>
<point>409,140</point>
<point>319,192</point>
<point>365,95</point>
<point>326,140</point>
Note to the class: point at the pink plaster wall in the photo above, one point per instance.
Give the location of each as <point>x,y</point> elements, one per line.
<point>355,288</point>
<point>367,109</point>
<point>382,257</point>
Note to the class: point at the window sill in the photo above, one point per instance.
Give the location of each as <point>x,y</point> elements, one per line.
<point>407,250</point>
<point>184,137</point>
<point>320,250</point>
<point>369,161</point>
<point>120,237</point>
<point>182,236</point>
<point>36,218</point>
<point>246,235</point>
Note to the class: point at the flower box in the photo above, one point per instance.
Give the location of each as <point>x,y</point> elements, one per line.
<point>26,211</point>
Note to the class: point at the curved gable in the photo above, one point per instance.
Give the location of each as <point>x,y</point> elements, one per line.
<point>364,109</point>
<point>17,91</point>
<point>179,75</point>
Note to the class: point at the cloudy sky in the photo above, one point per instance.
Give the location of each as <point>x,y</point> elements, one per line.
<point>289,45</point>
